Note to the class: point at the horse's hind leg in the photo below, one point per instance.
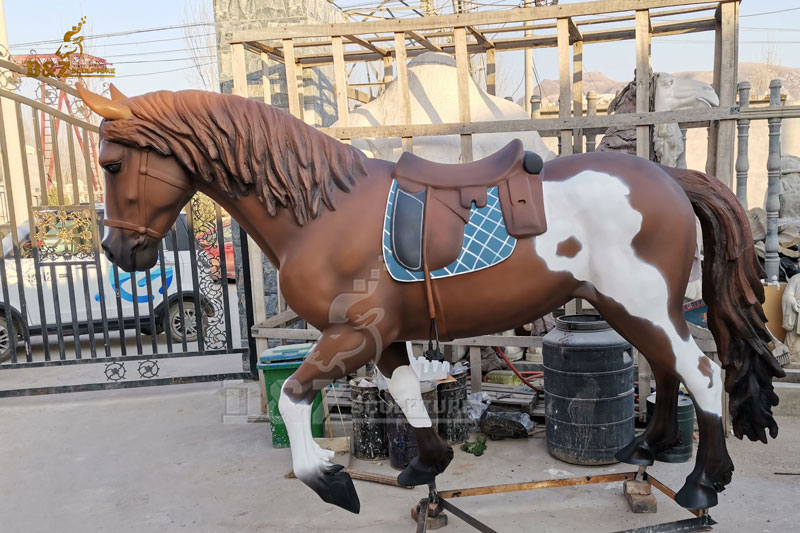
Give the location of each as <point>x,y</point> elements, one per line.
<point>650,329</point>
<point>434,453</point>
<point>340,350</point>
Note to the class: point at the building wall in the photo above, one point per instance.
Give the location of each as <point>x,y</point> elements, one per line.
<point>230,15</point>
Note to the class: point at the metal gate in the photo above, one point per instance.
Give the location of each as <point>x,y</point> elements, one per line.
<point>69,319</point>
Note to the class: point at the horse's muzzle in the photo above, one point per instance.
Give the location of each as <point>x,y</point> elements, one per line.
<point>129,251</point>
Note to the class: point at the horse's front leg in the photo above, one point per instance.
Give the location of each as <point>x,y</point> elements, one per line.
<point>434,453</point>
<point>341,349</point>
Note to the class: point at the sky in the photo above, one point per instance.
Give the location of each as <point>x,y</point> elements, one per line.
<point>147,66</point>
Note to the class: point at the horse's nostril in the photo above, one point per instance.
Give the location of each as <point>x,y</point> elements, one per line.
<point>107,251</point>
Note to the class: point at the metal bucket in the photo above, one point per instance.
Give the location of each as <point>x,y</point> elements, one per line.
<point>369,429</point>
<point>452,410</point>
<point>589,397</point>
<point>681,452</point>
<point>402,442</point>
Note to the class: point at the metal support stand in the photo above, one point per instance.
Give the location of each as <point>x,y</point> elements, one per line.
<point>437,502</point>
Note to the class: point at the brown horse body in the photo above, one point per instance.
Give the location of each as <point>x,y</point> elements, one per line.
<point>621,234</point>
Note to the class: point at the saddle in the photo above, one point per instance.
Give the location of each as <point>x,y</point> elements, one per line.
<point>433,202</point>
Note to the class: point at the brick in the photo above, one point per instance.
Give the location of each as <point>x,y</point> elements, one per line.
<point>636,487</point>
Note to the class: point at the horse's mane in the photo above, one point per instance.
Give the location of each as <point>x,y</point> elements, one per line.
<point>241,146</point>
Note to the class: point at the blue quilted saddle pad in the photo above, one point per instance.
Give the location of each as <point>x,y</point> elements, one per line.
<point>486,241</point>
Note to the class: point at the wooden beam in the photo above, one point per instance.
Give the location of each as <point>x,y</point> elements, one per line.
<point>577,93</point>
<point>266,84</point>
<point>643,80</point>
<point>360,96</point>
<point>728,59</point>
<point>266,49</point>
<point>388,70</point>
<point>520,43</point>
<point>291,79</point>
<point>548,126</point>
<point>565,83</point>
<point>574,32</point>
<point>239,70</point>
<point>368,45</point>
<point>423,41</point>
<point>462,71</point>
<point>481,38</point>
<point>402,80</point>
<point>491,71</point>
<point>599,7</point>
<point>340,80</point>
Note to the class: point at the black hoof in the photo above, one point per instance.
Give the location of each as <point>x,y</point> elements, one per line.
<point>637,452</point>
<point>336,487</point>
<point>694,495</point>
<point>418,474</point>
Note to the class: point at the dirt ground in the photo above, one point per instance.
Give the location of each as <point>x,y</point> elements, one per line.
<point>174,459</point>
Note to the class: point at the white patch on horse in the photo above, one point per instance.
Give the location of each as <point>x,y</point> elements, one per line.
<point>309,461</point>
<point>404,388</point>
<point>607,260</point>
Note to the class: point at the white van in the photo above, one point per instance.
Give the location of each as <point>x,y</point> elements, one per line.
<point>118,298</point>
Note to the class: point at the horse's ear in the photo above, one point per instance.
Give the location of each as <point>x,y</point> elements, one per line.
<point>103,106</point>
<point>116,94</point>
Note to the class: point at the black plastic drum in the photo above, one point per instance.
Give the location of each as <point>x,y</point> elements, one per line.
<point>452,411</point>
<point>369,427</point>
<point>681,452</point>
<point>589,396</point>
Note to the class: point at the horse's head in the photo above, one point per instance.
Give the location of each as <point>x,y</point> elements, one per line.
<point>144,191</point>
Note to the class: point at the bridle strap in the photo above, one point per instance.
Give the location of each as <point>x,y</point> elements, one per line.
<point>141,230</point>
<point>145,173</point>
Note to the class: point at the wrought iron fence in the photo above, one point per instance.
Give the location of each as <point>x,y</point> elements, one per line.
<point>62,303</point>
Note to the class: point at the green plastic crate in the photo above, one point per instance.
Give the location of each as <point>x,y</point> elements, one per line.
<point>277,364</point>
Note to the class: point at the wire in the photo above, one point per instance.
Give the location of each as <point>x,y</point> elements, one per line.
<point>164,71</point>
<point>769,12</point>
<point>160,60</point>
<point>120,33</point>
<point>140,54</point>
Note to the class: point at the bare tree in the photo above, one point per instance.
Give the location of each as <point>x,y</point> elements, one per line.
<point>767,69</point>
<point>201,44</point>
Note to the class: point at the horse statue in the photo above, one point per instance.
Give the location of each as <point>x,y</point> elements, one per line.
<point>613,229</point>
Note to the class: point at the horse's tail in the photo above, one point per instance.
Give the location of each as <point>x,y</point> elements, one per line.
<point>734,293</point>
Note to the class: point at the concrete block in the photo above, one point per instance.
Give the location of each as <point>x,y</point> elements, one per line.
<point>432,522</point>
<point>640,498</point>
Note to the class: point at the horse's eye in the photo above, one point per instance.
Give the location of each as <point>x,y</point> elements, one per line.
<point>112,168</point>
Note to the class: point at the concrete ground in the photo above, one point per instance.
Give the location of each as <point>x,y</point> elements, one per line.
<point>182,458</point>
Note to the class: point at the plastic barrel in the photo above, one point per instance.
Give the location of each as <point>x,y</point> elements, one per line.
<point>402,442</point>
<point>452,410</point>
<point>369,427</point>
<point>277,364</point>
<point>681,452</point>
<point>589,396</point>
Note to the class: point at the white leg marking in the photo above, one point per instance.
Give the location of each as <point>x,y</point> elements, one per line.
<point>606,229</point>
<point>404,387</point>
<point>308,459</point>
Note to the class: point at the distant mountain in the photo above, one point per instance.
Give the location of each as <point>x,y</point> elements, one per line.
<point>758,74</point>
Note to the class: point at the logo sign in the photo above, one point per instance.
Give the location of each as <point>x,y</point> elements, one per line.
<point>69,61</point>
<point>126,279</point>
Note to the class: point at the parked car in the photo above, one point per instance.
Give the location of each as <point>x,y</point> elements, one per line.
<point>118,290</point>
<point>209,244</point>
